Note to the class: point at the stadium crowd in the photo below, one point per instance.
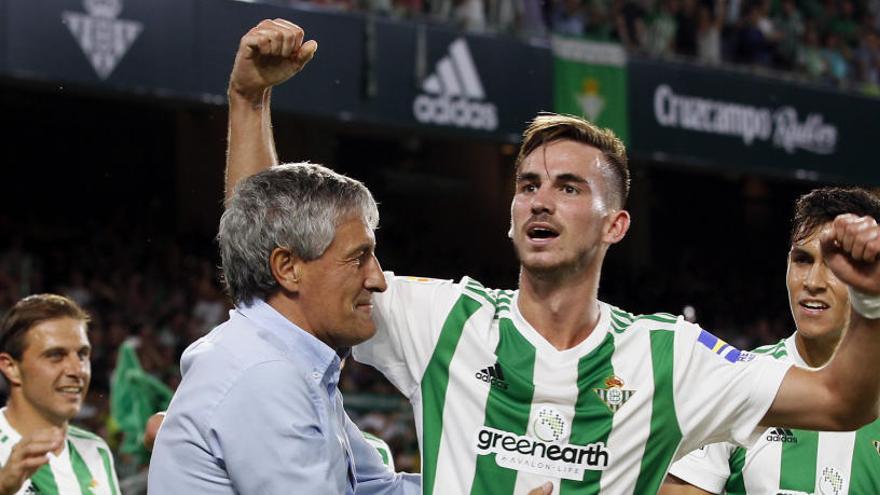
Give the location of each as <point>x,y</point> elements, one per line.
<point>831,42</point>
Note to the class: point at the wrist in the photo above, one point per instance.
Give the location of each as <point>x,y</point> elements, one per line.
<point>253,98</point>
<point>867,305</point>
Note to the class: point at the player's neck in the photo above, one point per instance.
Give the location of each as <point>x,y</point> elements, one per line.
<point>564,311</point>
<point>26,420</point>
<point>816,351</point>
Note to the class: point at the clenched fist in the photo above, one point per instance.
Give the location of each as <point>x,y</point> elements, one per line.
<point>851,245</point>
<point>268,55</point>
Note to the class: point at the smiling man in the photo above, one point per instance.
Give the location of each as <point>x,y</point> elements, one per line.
<point>787,460</point>
<point>44,357</point>
<point>258,410</point>
<point>547,384</point>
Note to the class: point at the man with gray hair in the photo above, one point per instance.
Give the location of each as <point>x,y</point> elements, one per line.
<point>258,409</point>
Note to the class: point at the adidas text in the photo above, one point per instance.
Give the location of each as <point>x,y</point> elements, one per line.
<point>491,380</point>
<point>446,110</point>
<point>781,435</point>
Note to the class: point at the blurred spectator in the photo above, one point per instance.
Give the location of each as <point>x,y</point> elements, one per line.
<point>810,58</point>
<point>599,24</point>
<point>790,26</point>
<point>630,18</point>
<point>753,46</point>
<point>568,18</point>
<point>843,24</point>
<point>660,35</point>
<point>469,15</point>
<point>686,28</point>
<point>709,27</point>
<point>867,58</point>
<point>836,55</point>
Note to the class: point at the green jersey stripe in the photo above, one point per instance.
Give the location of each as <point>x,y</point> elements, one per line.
<point>798,463</point>
<point>435,383</point>
<point>507,410</point>
<point>44,481</point>
<point>736,484</point>
<point>864,472</point>
<point>108,470</point>
<point>592,418</point>
<point>83,475</point>
<point>665,435</point>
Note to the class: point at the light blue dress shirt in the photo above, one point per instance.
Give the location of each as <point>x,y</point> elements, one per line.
<point>258,412</point>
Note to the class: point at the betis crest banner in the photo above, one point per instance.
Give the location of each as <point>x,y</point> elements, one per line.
<point>590,81</point>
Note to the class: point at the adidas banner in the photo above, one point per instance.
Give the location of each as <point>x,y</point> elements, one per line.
<point>441,80</point>
<point>590,81</point>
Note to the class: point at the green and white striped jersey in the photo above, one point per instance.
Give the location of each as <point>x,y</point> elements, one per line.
<point>500,411</point>
<point>382,447</point>
<point>85,466</point>
<point>788,461</point>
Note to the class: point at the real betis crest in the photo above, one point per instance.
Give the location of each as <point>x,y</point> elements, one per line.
<point>877,446</point>
<point>614,395</point>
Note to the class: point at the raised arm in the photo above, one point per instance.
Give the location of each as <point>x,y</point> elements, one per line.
<point>844,394</point>
<point>268,55</point>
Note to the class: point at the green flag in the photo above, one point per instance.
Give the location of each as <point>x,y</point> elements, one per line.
<point>590,81</point>
<point>134,396</point>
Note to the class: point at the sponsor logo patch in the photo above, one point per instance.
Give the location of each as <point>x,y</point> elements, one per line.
<point>614,395</point>
<point>831,482</point>
<point>533,455</point>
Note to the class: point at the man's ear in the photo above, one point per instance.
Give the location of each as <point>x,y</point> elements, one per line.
<point>286,268</point>
<point>10,368</point>
<point>616,226</point>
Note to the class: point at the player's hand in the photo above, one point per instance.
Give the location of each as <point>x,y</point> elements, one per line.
<point>269,54</point>
<point>26,457</point>
<point>545,489</point>
<point>152,429</point>
<point>851,245</point>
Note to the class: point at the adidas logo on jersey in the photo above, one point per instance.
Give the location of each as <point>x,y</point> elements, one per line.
<point>493,376</point>
<point>783,435</point>
<point>454,94</point>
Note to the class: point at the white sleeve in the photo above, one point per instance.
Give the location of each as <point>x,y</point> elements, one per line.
<point>707,468</point>
<point>409,317</point>
<point>720,392</point>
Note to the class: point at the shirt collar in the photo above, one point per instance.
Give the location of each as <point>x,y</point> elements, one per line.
<point>317,354</point>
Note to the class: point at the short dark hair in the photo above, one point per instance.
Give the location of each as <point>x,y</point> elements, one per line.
<point>549,127</point>
<point>32,311</point>
<point>823,205</point>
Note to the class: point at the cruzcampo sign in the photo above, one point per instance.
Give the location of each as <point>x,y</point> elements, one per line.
<point>684,113</point>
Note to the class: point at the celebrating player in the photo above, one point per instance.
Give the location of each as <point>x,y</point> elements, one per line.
<point>784,460</point>
<point>44,357</point>
<point>546,383</point>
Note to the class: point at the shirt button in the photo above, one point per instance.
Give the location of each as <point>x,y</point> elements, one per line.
<point>316,375</point>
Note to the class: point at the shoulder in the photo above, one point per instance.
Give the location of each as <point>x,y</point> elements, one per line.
<point>775,351</point>
<point>77,433</point>
<point>623,321</point>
